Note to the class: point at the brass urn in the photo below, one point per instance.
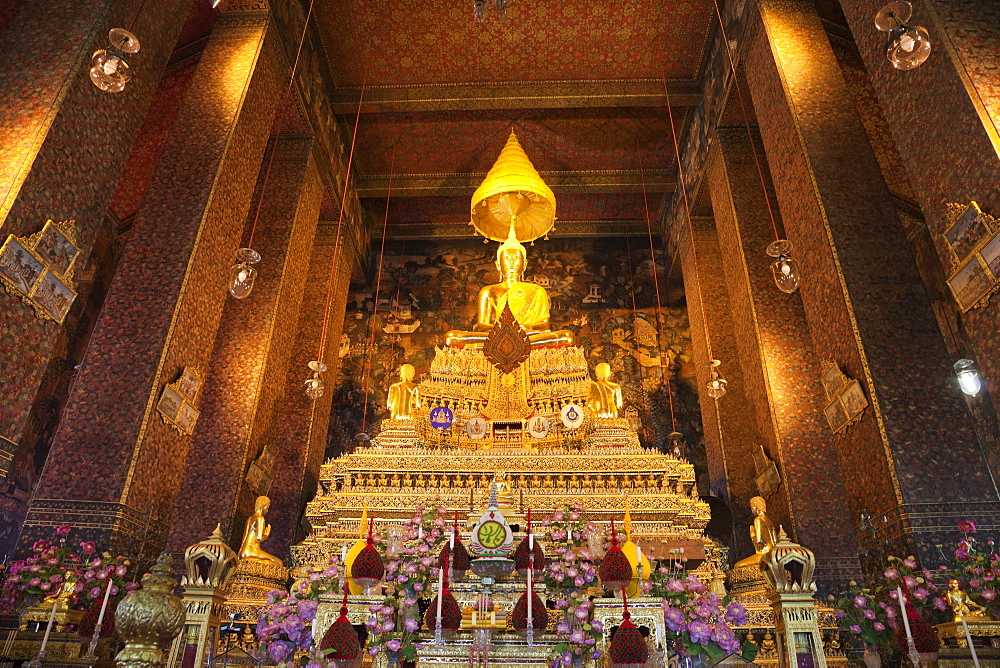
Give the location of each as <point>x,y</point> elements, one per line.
<point>149,617</point>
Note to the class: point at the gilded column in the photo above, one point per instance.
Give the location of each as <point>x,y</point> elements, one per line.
<point>229,462</point>
<point>945,121</point>
<point>729,428</point>
<point>779,362</point>
<point>115,464</point>
<point>63,144</point>
<point>912,462</point>
<point>301,442</point>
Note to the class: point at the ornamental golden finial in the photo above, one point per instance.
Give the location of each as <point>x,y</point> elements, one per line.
<point>149,617</point>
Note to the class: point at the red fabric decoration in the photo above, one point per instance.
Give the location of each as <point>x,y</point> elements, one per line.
<point>521,555</point>
<point>615,571</point>
<point>925,638</point>
<point>89,622</point>
<point>341,638</point>
<point>451,613</point>
<point>368,569</point>
<point>519,616</point>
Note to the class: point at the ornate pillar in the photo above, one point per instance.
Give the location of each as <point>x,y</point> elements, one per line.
<point>729,429</point>
<point>115,460</point>
<point>945,121</point>
<point>300,444</point>
<point>63,144</point>
<point>912,461</point>
<point>228,464</point>
<point>779,363</point>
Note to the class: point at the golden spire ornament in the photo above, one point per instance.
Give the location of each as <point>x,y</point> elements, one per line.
<point>513,193</point>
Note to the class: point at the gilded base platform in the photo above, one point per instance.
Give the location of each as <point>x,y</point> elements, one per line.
<point>961,657</point>
<point>249,587</point>
<point>506,649</point>
<point>61,647</point>
<point>39,616</point>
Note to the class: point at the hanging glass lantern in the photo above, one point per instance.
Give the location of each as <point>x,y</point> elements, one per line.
<point>242,275</point>
<point>716,385</point>
<point>968,377</point>
<point>109,70</point>
<point>784,269</point>
<point>909,46</point>
<point>315,385</point>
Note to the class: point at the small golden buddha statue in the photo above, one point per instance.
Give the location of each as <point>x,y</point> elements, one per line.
<point>529,303</point>
<point>963,606</point>
<point>762,533</point>
<point>605,397</point>
<point>257,531</point>
<point>62,598</point>
<point>404,396</point>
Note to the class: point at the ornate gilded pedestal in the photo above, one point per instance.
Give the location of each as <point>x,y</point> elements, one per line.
<point>247,594</point>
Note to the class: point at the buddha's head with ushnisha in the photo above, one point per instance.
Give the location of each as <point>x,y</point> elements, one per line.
<point>512,257</point>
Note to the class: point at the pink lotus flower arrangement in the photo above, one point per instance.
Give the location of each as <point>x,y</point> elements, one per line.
<point>867,614</point>
<point>285,626</point>
<point>44,572</point>
<point>578,631</point>
<point>393,628</point>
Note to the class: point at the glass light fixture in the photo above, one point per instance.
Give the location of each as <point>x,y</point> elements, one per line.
<point>716,385</point>
<point>242,274</point>
<point>968,377</point>
<point>784,269</point>
<point>315,384</point>
<point>909,46</point>
<point>109,70</point>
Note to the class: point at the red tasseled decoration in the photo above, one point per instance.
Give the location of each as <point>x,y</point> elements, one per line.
<point>89,622</point>
<point>368,569</point>
<point>451,613</point>
<point>628,647</point>
<point>615,571</point>
<point>341,638</point>
<point>519,616</point>
<point>925,638</point>
<point>521,558</point>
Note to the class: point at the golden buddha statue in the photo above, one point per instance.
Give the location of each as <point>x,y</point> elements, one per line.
<point>257,531</point>
<point>62,598</point>
<point>529,303</point>
<point>404,396</point>
<point>605,397</point>
<point>762,533</point>
<point>962,605</point>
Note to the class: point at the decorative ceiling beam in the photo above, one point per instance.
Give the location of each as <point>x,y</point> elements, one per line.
<point>515,95</point>
<point>597,181</point>
<point>563,229</point>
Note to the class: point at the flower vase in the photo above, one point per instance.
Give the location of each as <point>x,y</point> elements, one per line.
<point>871,657</point>
<point>700,661</point>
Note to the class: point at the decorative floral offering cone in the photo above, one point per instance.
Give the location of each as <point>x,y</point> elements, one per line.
<point>460,560</point>
<point>615,571</point>
<point>368,569</point>
<point>523,553</point>
<point>519,616</point>
<point>451,614</point>
<point>628,648</point>
<point>340,643</point>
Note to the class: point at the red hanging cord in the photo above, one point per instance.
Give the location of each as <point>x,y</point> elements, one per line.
<point>746,121</point>
<point>340,222</point>
<point>277,135</point>
<point>399,286</point>
<point>687,209</point>
<point>664,376</point>
<point>135,18</point>
<point>366,375</point>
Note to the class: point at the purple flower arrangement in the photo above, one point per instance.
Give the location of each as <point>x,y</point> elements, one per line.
<point>697,620</point>
<point>285,627</point>
<point>578,631</point>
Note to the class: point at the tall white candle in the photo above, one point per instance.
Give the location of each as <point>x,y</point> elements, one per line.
<point>343,555</point>
<point>531,568</point>
<point>451,541</point>
<point>440,593</point>
<point>638,562</point>
<point>531,542</point>
<point>420,533</point>
<point>104,605</point>
<point>48,630</point>
<point>968,639</point>
<point>906,623</point>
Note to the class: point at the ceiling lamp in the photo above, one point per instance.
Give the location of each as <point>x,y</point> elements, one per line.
<point>314,384</point>
<point>783,269</point>
<point>513,192</point>
<point>242,274</point>
<point>968,377</point>
<point>109,70</point>
<point>716,385</point>
<point>909,46</point>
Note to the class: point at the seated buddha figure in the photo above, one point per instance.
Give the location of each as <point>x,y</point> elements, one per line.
<point>528,302</point>
<point>404,396</point>
<point>762,533</point>
<point>604,397</point>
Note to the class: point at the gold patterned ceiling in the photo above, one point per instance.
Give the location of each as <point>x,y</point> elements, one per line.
<point>580,81</point>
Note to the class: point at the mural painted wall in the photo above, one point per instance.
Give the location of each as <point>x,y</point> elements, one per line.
<point>602,290</point>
